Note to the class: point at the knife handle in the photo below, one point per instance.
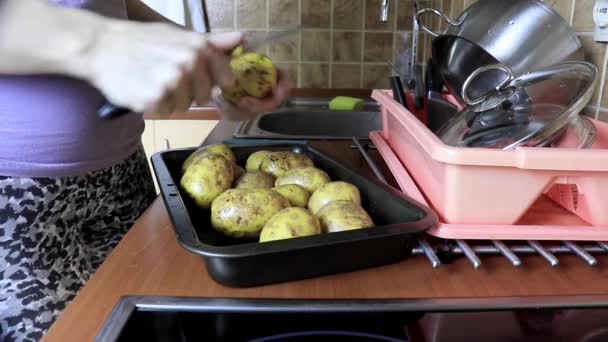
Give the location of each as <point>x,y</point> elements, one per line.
<point>398,93</point>
<point>109,111</point>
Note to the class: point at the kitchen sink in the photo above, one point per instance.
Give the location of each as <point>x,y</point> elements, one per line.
<point>322,103</point>
<point>311,118</point>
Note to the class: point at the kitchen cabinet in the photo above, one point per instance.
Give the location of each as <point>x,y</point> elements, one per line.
<point>151,261</point>
<point>164,134</point>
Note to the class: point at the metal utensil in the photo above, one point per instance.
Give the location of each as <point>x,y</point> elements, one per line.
<point>415,82</point>
<point>397,87</point>
<point>554,95</point>
<point>439,111</point>
<point>521,35</point>
<point>108,111</point>
<point>271,37</point>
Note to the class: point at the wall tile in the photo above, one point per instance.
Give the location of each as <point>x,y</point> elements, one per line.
<point>468,3</point>
<point>446,7</point>
<point>291,69</point>
<point>436,22</point>
<point>372,15</point>
<point>583,15</point>
<point>315,46</point>
<point>457,8</point>
<point>376,76</point>
<point>314,75</point>
<point>405,15</point>
<point>251,14</point>
<point>283,12</point>
<point>221,14</point>
<point>316,13</point>
<point>595,54</point>
<point>347,46</point>
<point>353,42</point>
<point>285,49</point>
<point>257,34</point>
<point>403,44</point>
<point>345,75</point>
<point>563,7</point>
<point>378,47</point>
<point>348,14</point>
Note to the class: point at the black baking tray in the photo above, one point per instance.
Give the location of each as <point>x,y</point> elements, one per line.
<point>240,263</point>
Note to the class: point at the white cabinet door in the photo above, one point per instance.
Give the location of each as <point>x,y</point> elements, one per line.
<point>181,133</point>
<point>147,139</point>
<point>165,134</point>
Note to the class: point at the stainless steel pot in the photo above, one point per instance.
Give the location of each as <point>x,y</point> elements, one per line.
<point>519,35</point>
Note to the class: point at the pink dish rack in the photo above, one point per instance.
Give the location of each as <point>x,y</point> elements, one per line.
<point>481,193</point>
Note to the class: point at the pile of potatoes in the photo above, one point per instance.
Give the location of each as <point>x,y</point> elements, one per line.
<point>279,195</point>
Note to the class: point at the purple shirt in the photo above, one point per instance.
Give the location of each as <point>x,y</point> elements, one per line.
<point>49,126</point>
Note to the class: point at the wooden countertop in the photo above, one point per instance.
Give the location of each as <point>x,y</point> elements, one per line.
<point>149,261</point>
<point>211,113</point>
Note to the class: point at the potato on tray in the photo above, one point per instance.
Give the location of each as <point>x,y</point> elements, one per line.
<point>281,195</point>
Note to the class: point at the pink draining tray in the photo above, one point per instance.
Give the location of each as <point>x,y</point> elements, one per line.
<point>496,187</point>
<point>545,219</point>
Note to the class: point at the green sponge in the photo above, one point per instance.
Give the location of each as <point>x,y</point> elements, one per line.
<point>345,103</point>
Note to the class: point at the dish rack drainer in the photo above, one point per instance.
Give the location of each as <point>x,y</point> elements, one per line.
<point>443,249</point>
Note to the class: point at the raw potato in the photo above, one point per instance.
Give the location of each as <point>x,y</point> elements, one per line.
<point>290,223</point>
<point>242,213</point>
<point>253,180</point>
<point>238,172</point>
<point>333,191</point>
<point>255,75</point>
<point>277,163</point>
<point>206,178</point>
<point>339,216</point>
<point>310,178</point>
<point>297,195</point>
<point>222,149</point>
<point>255,159</point>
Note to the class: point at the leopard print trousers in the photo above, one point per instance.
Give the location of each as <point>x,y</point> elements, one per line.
<point>54,233</point>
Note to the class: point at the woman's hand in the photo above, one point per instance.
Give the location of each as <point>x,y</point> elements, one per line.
<point>279,93</point>
<point>249,106</point>
<point>159,68</point>
<point>144,67</point>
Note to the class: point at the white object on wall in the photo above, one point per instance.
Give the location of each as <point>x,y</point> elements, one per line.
<point>184,12</point>
<point>600,17</point>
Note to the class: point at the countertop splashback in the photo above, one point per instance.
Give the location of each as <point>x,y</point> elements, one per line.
<point>345,45</point>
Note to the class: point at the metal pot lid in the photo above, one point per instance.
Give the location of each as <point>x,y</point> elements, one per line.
<point>525,111</point>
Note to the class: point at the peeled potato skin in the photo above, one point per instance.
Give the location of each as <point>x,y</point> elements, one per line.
<point>309,177</point>
<point>290,223</point>
<point>333,191</point>
<point>338,216</point>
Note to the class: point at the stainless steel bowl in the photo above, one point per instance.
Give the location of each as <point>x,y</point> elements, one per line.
<point>520,35</point>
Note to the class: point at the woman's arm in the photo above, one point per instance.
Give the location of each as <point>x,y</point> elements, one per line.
<point>142,66</point>
<point>137,10</point>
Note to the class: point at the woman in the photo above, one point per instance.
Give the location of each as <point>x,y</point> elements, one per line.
<point>72,184</point>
